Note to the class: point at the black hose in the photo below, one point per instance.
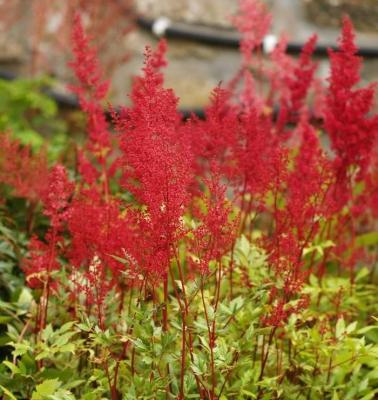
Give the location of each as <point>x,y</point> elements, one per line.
<point>70,101</point>
<point>230,38</point>
<point>205,35</point>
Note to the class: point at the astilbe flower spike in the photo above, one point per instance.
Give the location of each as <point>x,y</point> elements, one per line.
<point>98,229</point>
<point>256,153</point>
<point>216,230</point>
<point>253,22</point>
<point>352,131</point>
<point>92,89</point>
<point>98,222</point>
<point>213,138</point>
<point>291,81</point>
<point>156,158</point>
<point>297,221</point>
<point>42,258</point>
<point>42,254</point>
<point>56,197</point>
<point>25,172</point>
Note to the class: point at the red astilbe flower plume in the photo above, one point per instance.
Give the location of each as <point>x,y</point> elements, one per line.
<point>57,196</point>
<point>216,232</point>
<point>42,259</point>
<point>99,232</point>
<point>291,80</point>
<point>26,173</point>
<point>303,75</point>
<point>346,120</point>
<point>97,224</point>
<point>94,160</point>
<point>156,155</point>
<point>307,201</point>
<point>92,89</point>
<point>98,229</point>
<point>297,221</point>
<point>213,138</point>
<point>89,173</point>
<point>308,184</point>
<point>41,256</point>
<point>253,22</point>
<point>257,153</point>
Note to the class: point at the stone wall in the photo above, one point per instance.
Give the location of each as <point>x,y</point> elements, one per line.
<point>327,12</point>
<point>194,69</point>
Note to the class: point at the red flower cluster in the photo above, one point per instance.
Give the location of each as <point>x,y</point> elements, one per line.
<point>253,22</point>
<point>43,254</point>
<point>347,121</point>
<point>216,232</point>
<point>92,89</point>
<point>26,173</point>
<point>292,80</point>
<point>156,159</point>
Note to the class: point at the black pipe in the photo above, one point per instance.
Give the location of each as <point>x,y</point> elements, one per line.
<point>70,101</point>
<point>205,35</point>
<point>230,38</point>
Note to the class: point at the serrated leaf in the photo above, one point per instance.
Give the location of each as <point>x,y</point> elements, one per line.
<point>63,339</point>
<point>20,349</point>
<point>46,389</point>
<point>47,333</point>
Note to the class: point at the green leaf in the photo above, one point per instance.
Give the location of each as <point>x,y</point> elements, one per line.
<point>367,239</point>
<point>25,299</point>
<point>362,273</point>
<point>20,348</point>
<point>366,329</point>
<point>314,281</point>
<point>63,339</point>
<point>74,384</point>
<point>340,328</point>
<point>335,396</point>
<point>66,327</point>
<point>351,327</point>
<point>370,395</point>
<point>47,333</point>
<point>14,369</point>
<point>46,389</point>
<point>7,393</point>
<point>319,248</point>
<point>4,319</point>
